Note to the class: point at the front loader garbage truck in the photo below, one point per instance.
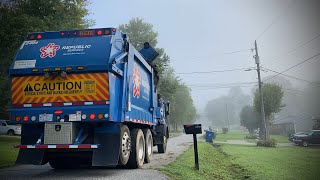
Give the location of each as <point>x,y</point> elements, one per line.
<point>86,98</point>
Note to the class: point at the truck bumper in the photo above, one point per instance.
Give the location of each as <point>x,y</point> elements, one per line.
<point>59,146</point>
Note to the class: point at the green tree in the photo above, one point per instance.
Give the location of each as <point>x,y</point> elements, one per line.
<point>272,98</point>
<point>249,118</point>
<point>19,17</point>
<point>170,86</point>
<point>140,32</point>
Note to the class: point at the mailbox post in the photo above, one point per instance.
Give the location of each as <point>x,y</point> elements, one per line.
<point>194,129</point>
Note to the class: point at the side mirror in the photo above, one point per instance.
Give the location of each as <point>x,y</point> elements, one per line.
<point>167,107</point>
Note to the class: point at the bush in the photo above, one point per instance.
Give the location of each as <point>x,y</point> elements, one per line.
<point>225,130</point>
<point>251,136</point>
<point>267,143</point>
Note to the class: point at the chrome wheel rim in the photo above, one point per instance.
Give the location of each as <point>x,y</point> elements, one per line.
<point>126,146</point>
<point>141,149</point>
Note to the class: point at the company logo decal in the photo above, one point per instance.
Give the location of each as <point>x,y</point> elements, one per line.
<point>136,81</point>
<point>49,50</point>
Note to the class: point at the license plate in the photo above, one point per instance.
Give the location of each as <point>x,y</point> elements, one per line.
<point>45,117</point>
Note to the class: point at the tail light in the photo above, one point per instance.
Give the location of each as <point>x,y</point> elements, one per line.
<point>100,116</point>
<point>99,32</point>
<point>25,118</point>
<point>92,116</point>
<point>58,111</point>
<point>18,118</point>
<point>39,36</point>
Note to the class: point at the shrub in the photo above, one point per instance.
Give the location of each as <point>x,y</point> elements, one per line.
<point>267,143</point>
<point>225,130</point>
<point>251,136</point>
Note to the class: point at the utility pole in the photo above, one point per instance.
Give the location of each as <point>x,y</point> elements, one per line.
<point>263,116</point>
<point>227,113</point>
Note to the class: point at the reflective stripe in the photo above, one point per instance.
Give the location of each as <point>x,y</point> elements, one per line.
<point>47,104</point>
<point>52,146</point>
<point>73,146</point>
<point>67,104</point>
<point>88,103</point>
<point>27,105</point>
<point>94,146</point>
<point>31,146</point>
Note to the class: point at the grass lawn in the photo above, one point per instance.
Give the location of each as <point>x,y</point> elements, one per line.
<point>240,135</point>
<point>232,135</point>
<point>277,163</point>
<point>8,154</point>
<point>247,162</point>
<point>213,165</point>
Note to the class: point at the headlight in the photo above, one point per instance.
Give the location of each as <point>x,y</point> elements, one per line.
<point>18,128</point>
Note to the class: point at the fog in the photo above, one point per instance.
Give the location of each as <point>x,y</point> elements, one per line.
<point>210,44</point>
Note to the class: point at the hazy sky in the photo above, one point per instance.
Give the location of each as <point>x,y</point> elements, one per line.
<point>197,35</point>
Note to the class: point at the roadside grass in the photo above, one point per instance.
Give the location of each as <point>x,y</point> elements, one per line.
<point>213,165</point>
<point>240,135</point>
<point>277,163</point>
<point>8,154</point>
<point>246,162</point>
<point>232,135</point>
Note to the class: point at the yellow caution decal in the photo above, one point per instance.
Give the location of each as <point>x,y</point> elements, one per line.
<point>73,88</point>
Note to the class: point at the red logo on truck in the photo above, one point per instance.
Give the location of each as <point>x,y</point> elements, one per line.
<point>49,50</point>
<point>136,81</point>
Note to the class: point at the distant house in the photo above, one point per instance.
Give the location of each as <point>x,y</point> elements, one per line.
<point>292,124</point>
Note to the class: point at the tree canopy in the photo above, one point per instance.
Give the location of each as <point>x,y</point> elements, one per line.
<point>249,118</point>
<point>19,17</point>
<point>170,86</point>
<point>272,97</point>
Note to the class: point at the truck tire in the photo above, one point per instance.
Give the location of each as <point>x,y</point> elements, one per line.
<point>10,132</point>
<point>162,147</point>
<point>136,158</point>
<point>149,144</point>
<point>125,145</point>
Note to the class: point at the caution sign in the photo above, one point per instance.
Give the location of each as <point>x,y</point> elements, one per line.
<point>76,87</point>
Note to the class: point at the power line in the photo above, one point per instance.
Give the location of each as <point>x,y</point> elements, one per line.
<point>293,66</point>
<point>285,10</point>
<point>228,84</point>
<point>213,88</point>
<point>234,52</point>
<point>294,49</point>
<point>199,58</point>
<point>216,71</point>
<point>292,77</point>
<point>244,99</point>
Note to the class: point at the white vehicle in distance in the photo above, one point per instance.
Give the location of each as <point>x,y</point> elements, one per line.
<point>6,127</point>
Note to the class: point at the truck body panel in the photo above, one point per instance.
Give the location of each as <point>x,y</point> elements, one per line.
<point>92,81</point>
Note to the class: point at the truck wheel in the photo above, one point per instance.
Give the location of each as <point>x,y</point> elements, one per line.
<point>163,147</point>
<point>136,158</point>
<point>125,146</point>
<point>149,145</point>
<point>305,143</point>
<point>11,132</point>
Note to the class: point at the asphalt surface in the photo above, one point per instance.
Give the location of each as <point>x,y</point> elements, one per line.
<point>176,146</point>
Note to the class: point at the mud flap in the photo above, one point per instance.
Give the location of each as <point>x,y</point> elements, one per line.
<point>30,135</point>
<point>108,152</point>
<point>160,130</point>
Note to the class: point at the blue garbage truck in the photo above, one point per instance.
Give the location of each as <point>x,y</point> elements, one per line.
<point>87,98</point>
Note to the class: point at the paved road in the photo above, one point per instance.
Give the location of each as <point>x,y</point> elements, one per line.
<point>176,146</point>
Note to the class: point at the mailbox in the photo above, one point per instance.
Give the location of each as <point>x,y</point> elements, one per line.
<point>192,128</point>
